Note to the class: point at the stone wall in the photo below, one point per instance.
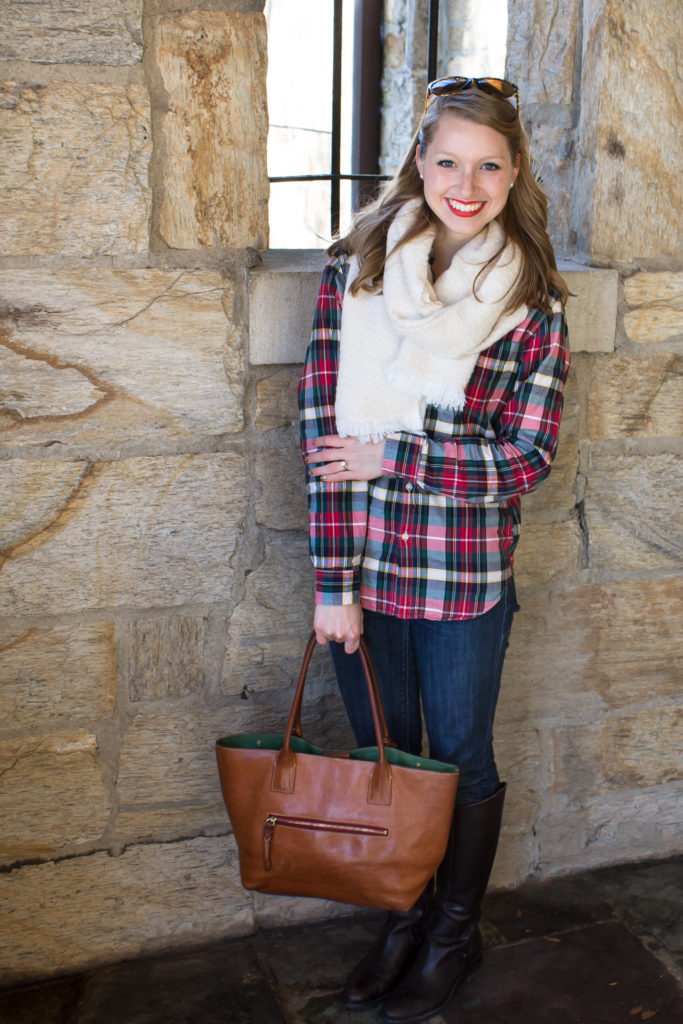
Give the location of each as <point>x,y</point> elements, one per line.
<point>594,669</point>
<point>150,599</point>
<point>155,590</point>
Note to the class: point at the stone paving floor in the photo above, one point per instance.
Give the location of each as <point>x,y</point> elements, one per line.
<point>603,947</point>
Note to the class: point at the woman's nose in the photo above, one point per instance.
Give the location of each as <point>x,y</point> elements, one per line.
<point>466,183</point>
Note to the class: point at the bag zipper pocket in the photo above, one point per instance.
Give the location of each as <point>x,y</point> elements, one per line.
<point>314,825</point>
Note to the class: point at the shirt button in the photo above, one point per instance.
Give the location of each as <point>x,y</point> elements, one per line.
<point>409,487</point>
<point>405,536</point>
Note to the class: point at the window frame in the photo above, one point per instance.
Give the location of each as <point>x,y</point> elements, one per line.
<point>366,117</point>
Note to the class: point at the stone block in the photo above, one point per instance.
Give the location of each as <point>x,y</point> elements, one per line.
<point>167,778</point>
<point>269,627</point>
<point>628,506</point>
<point>62,917</point>
<point>618,752</point>
<point>657,289</point>
<point>276,400</point>
<point>548,552</point>
<point>98,357</point>
<point>591,649</point>
<point>656,304</point>
<point>552,134</point>
<point>654,324</point>
<point>630,110</point>
<point>53,793</point>
<point>394,51</point>
<point>165,657</point>
<point>215,181</point>
<point>74,180</point>
<point>282,298</point>
<point>636,397</point>
<point>591,308</point>
<point>51,674</point>
<point>541,49</point>
<point>33,498</point>
<point>665,288</point>
<point>609,829</point>
<point>61,32</point>
<point>30,387</point>
<point>281,504</point>
<point>142,532</point>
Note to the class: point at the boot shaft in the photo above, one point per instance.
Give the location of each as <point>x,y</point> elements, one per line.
<point>464,872</point>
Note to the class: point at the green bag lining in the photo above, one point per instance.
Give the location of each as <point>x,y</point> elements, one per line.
<point>274,741</point>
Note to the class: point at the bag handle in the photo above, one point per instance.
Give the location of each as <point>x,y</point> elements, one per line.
<point>284,768</point>
<point>370,677</point>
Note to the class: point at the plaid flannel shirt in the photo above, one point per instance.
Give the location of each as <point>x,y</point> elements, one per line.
<point>434,537</point>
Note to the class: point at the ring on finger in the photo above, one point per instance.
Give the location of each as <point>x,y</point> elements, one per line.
<point>344,466</point>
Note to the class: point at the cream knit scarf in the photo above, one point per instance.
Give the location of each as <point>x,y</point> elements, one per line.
<point>417,343</point>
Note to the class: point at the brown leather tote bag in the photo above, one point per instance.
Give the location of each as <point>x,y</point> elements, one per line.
<point>367,826</point>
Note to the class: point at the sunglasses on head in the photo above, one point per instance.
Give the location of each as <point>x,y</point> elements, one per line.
<point>455,84</point>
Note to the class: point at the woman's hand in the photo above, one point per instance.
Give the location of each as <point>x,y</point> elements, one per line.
<point>345,458</point>
<point>340,622</point>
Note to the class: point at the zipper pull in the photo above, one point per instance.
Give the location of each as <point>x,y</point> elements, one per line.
<point>268,830</point>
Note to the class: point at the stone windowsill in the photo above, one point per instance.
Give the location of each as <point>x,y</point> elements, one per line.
<point>284,286</point>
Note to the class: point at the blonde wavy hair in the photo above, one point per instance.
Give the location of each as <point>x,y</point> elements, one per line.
<point>524,217</point>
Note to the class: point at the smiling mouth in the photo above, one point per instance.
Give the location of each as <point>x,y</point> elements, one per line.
<point>461,209</point>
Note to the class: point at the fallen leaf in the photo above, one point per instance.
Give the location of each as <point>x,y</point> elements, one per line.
<point>648,1015</point>
<point>613,984</point>
<point>636,1010</point>
<point>551,938</point>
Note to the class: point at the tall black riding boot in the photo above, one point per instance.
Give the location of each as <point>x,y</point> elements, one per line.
<point>452,947</point>
<point>384,964</point>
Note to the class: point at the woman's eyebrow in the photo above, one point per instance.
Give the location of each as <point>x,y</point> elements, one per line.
<point>489,156</point>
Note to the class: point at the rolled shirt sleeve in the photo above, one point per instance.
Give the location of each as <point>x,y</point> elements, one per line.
<point>337,511</point>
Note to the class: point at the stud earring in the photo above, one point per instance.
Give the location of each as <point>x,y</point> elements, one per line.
<point>512,184</point>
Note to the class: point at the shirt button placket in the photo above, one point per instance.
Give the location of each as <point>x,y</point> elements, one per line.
<point>405,536</point>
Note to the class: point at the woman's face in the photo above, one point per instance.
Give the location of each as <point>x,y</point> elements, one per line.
<point>467,171</point>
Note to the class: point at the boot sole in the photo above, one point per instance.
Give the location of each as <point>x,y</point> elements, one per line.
<point>466,976</point>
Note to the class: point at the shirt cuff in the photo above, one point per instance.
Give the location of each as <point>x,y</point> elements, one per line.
<point>405,456</point>
<point>337,586</point>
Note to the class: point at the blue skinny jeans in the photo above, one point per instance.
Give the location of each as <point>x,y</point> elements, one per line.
<point>453,667</point>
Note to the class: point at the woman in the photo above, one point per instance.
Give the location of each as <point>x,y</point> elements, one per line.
<point>430,401</point>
